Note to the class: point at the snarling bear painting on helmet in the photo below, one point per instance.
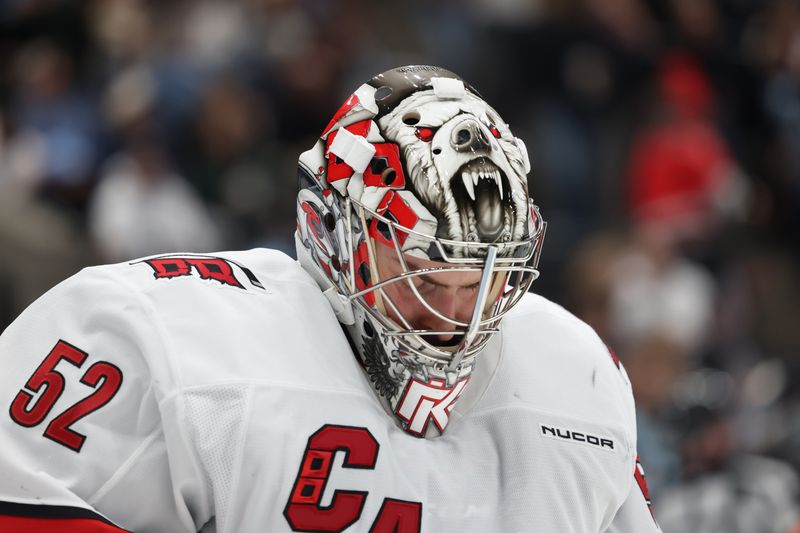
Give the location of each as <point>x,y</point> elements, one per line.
<point>459,153</point>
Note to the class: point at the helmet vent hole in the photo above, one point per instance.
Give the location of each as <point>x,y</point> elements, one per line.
<point>411,118</point>
<point>383,229</point>
<point>363,273</point>
<point>369,331</point>
<point>389,176</point>
<point>330,222</point>
<point>378,164</point>
<point>437,151</point>
<point>383,92</point>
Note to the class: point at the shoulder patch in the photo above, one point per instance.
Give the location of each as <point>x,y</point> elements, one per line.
<point>205,267</point>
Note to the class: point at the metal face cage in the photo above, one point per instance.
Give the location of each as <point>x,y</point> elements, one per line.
<point>507,270</point>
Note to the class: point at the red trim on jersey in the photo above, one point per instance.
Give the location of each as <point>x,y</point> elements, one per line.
<point>32,518</point>
<point>614,357</point>
<point>19,524</point>
<point>638,474</point>
<point>398,516</point>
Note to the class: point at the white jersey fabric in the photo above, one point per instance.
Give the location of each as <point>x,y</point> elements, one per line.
<point>237,405</point>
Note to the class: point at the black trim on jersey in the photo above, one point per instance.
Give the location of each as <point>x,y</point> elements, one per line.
<point>32,510</point>
<point>249,273</point>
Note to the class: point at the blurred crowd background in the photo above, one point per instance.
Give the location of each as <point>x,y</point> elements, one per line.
<point>665,140</point>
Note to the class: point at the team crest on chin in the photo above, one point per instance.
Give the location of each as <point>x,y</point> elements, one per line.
<point>421,400</point>
<point>425,405</point>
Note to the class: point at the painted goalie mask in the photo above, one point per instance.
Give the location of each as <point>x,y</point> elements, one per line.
<point>414,218</point>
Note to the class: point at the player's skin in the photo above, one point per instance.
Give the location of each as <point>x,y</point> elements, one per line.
<point>453,294</point>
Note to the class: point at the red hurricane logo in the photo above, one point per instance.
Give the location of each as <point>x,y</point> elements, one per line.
<point>205,267</point>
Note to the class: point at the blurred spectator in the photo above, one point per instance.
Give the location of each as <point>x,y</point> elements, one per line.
<point>50,102</point>
<point>229,158</point>
<point>780,53</point>
<point>141,206</point>
<point>655,366</point>
<point>123,31</point>
<point>682,176</point>
<point>724,491</point>
<point>228,130</point>
<point>22,156</point>
<point>41,243</point>
<point>657,291</point>
<point>39,247</point>
<point>589,281</point>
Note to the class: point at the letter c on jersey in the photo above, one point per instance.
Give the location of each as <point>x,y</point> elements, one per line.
<point>304,512</point>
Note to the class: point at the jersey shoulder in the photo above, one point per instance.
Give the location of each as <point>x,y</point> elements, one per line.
<point>249,270</point>
<point>553,361</point>
<point>219,286</point>
<point>201,319</point>
<point>541,322</point>
<point>251,315</point>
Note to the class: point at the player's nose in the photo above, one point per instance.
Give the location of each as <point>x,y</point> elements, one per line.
<point>454,308</point>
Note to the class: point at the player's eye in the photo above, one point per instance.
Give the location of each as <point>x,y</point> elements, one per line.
<point>469,289</point>
<point>424,134</point>
<point>425,288</point>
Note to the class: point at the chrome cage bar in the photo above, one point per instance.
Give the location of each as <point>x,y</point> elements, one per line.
<point>478,331</point>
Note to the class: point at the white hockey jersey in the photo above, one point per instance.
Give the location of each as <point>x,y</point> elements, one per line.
<point>219,393</point>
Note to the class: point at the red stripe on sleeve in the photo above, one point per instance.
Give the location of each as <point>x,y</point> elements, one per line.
<point>24,524</point>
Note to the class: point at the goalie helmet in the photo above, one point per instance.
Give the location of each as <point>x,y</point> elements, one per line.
<point>413,215</point>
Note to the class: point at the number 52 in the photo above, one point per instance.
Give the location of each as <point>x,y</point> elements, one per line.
<point>49,384</point>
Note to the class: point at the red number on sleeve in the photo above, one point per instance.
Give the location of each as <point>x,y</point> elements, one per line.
<point>109,379</point>
<point>28,412</point>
